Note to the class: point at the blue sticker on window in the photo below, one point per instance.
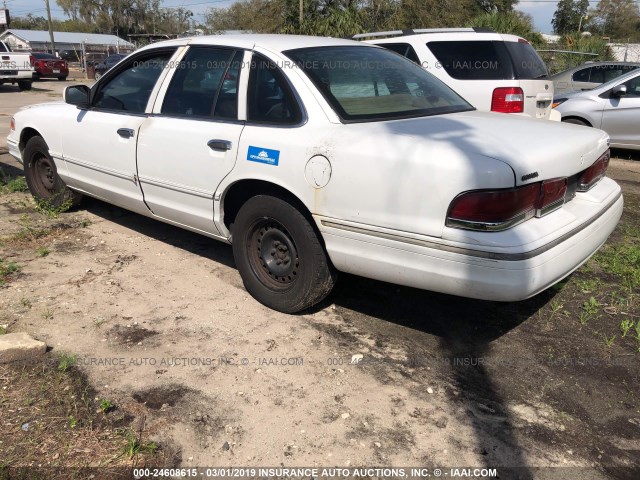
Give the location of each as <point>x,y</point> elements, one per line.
<point>263,155</point>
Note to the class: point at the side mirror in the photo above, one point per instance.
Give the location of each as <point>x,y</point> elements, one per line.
<point>77,95</point>
<point>619,91</point>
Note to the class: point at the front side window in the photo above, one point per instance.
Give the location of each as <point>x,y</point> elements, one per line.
<point>633,87</point>
<point>369,83</point>
<point>129,89</point>
<point>269,97</point>
<point>204,84</point>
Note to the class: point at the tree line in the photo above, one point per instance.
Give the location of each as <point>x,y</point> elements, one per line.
<point>617,19</point>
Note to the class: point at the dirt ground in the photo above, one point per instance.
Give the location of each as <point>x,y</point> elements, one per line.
<point>379,375</point>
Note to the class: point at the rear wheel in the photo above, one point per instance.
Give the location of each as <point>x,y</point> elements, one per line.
<point>24,85</point>
<point>42,177</point>
<point>280,258</point>
<point>62,79</point>
<point>576,121</point>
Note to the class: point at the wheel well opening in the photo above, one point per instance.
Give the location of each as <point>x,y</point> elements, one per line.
<point>26,135</point>
<point>579,119</point>
<point>243,190</point>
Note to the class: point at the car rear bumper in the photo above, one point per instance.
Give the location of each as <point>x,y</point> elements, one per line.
<point>460,271</point>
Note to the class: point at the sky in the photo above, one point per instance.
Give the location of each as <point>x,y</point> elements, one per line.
<point>541,10</point>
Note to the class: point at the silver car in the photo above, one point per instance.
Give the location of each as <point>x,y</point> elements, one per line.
<point>590,75</point>
<point>613,107</point>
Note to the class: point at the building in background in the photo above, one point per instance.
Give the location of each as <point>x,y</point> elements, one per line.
<point>39,41</point>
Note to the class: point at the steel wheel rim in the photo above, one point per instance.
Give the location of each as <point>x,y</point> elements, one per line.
<point>273,255</point>
<point>43,175</point>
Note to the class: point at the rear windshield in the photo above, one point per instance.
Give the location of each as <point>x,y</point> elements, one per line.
<point>369,83</point>
<point>44,55</point>
<point>489,60</point>
<point>526,61</point>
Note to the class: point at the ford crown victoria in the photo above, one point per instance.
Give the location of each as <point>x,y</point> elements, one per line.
<point>313,156</point>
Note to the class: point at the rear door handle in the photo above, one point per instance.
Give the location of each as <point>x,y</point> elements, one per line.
<point>126,132</point>
<point>219,145</point>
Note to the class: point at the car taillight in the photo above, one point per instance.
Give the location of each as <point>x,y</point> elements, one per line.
<point>494,210</point>
<point>507,100</point>
<point>595,172</point>
<point>12,126</point>
<point>552,193</point>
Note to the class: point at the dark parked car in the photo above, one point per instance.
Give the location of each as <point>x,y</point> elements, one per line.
<point>102,67</point>
<point>46,65</point>
<point>70,55</point>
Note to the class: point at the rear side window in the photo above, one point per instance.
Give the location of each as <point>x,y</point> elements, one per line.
<point>526,62</point>
<point>203,81</point>
<point>582,75</point>
<point>2,47</point>
<point>403,49</point>
<point>270,99</point>
<point>473,60</point>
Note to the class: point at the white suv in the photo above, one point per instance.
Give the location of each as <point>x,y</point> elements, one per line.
<point>492,71</point>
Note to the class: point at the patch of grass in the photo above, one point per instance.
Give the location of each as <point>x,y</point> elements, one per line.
<point>25,302</point>
<point>135,446</point>
<point>623,259</point>
<point>43,252</point>
<point>10,185</point>
<point>46,208</point>
<point>6,269</point>
<point>47,314</point>
<point>106,406</point>
<point>588,285</point>
<point>2,330</point>
<point>625,326</point>
<point>64,419</point>
<point>608,340</point>
<point>66,361</point>
<point>591,307</point>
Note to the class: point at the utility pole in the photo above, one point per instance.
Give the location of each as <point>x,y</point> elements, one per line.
<point>300,15</point>
<point>53,43</point>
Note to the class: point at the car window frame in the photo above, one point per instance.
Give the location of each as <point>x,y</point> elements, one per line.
<point>234,52</point>
<point>114,71</point>
<point>287,85</point>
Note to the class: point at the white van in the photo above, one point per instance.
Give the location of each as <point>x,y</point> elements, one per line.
<point>492,71</point>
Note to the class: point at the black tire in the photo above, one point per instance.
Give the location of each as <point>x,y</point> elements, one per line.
<point>42,177</point>
<point>279,255</point>
<point>62,79</point>
<point>24,86</point>
<point>576,121</point>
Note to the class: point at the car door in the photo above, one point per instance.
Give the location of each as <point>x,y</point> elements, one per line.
<point>100,148</point>
<point>191,142</point>
<point>620,115</point>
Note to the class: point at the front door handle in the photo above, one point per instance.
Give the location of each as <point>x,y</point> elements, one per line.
<point>219,145</point>
<point>126,132</point>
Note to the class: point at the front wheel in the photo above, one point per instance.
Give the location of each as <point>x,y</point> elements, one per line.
<point>279,256</point>
<point>24,86</point>
<point>42,177</point>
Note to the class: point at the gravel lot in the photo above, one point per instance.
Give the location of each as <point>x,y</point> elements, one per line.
<point>162,326</point>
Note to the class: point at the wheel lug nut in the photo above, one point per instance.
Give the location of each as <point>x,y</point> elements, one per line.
<point>278,262</point>
<point>273,252</point>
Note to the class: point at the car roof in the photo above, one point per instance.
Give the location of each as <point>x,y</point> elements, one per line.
<point>273,42</point>
<point>596,64</point>
<point>444,34</point>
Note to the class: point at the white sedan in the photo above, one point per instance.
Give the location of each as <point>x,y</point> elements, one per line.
<point>313,155</point>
